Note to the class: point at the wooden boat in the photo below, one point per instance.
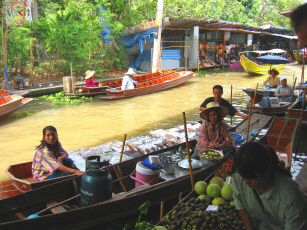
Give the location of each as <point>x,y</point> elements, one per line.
<point>153,85</point>
<point>254,68</point>
<point>8,189</point>
<point>294,111</point>
<point>21,174</point>
<point>82,90</point>
<point>273,111</point>
<point>10,103</point>
<point>280,136</point>
<point>4,92</point>
<point>251,92</point>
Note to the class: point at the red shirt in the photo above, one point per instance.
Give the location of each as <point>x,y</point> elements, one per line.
<point>91,83</point>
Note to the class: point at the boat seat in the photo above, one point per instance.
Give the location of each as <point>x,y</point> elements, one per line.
<point>58,209</point>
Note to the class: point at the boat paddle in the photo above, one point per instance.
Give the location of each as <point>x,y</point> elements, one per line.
<point>249,113</point>
<point>187,148</point>
<point>122,150</point>
<point>231,102</point>
<point>293,88</point>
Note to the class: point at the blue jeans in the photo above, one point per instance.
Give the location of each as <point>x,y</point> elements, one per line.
<point>57,173</point>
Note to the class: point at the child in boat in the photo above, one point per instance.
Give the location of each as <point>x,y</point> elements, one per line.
<point>263,191</point>
<point>90,79</point>
<point>214,132</point>
<point>50,159</point>
<point>273,80</point>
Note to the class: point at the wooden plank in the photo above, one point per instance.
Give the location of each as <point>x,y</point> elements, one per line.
<point>58,209</point>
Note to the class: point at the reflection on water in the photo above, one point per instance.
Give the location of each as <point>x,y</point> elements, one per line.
<point>94,123</point>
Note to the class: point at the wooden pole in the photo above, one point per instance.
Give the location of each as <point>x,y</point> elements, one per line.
<point>231,102</point>
<point>293,88</point>
<point>157,41</point>
<point>72,79</point>
<point>161,210</point>
<point>119,178</point>
<point>188,150</point>
<point>303,68</point>
<point>249,113</point>
<point>122,150</point>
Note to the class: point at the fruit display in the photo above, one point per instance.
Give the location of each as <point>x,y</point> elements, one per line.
<point>192,213</point>
<point>212,154</point>
<point>225,170</point>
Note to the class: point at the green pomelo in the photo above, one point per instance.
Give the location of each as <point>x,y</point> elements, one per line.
<point>205,197</point>
<point>232,203</point>
<point>227,192</point>
<point>200,187</point>
<point>218,201</point>
<point>213,190</point>
<point>217,180</point>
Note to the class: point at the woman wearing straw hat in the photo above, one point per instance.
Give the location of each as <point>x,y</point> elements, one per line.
<point>273,80</point>
<point>214,131</point>
<point>89,79</point>
<point>128,82</point>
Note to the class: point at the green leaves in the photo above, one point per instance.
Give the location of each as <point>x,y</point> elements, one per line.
<point>60,98</point>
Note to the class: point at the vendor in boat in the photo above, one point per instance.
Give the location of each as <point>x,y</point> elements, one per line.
<point>214,132</point>
<point>90,79</point>
<point>273,80</point>
<point>284,92</point>
<point>50,159</point>
<point>263,191</point>
<point>217,93</point>
<point>128,82</point>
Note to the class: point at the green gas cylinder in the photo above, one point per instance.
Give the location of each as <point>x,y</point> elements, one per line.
<point>96,183</point>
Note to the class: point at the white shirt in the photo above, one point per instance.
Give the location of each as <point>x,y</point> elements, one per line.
<point>128,83</point>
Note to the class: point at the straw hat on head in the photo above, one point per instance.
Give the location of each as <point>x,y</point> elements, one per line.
<point>89,74</point>
<point>130,72</point>
<point>273,70</point>
<point>223,111</point>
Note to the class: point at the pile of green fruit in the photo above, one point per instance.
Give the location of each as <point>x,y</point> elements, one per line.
<point>192,214</point>
<point>60,98</point>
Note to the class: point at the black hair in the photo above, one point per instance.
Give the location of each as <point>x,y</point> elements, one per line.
<point>218,111</point>
<point>218,87</point>
<point>56,148</point>
<point>299,16</point>
<point>254,159</point>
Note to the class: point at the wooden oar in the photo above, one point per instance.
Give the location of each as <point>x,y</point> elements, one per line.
<point>119,178</point>
<point>231,102</point>
<point>249,113</point>
<point>161,210</point>
<point>122,150</point>
<point>300,122</point>
<point>188,150</point>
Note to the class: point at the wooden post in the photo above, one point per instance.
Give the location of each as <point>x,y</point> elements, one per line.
<point>72,79</point>
<point>122,150</point>
<point>157,41</point>
<point>231,102</point>
<point>303,68</point>
<point>249,113</point>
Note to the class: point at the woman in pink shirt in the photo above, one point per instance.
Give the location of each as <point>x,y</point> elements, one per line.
<point>90,80</point>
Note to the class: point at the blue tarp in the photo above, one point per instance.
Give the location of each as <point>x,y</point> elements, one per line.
<point>105,25</point>
<point>138,39</point>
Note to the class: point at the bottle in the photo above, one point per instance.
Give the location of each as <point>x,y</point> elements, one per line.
<point>255,132</point>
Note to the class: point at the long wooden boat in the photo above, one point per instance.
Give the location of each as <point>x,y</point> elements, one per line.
<point>150,86</point>
<point>4,92</point>
<point>21,174</point>
<point>254,68</point>
<point>251,92</point>
<point>10,103</point>
<point>280,136</point>
<point>82,90</point>
<point>273,111</point>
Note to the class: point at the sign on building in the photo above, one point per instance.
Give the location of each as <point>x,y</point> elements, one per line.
<point>17,11</point>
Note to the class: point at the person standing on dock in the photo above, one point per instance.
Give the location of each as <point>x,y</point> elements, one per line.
<point>128,82</point>
<point>217,93</point>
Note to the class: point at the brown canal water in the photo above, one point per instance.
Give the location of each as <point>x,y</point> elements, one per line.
<point>94,123</point>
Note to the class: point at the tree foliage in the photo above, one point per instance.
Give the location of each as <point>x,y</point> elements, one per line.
<point>70,30</point>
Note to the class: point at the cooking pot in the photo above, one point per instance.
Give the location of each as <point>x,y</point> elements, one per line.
<point>183,168</point>
<point>168,160</point>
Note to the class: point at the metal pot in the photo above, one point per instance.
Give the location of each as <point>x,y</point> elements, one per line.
<point>183,168</point>
<point>168,160</point>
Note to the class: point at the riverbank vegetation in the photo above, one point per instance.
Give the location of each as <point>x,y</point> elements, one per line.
<point>70,31</point>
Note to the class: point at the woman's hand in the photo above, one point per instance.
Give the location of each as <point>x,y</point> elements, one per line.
<point>62,157</point>
<point>78,172</point>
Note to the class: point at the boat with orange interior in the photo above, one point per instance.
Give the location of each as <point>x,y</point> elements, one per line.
<point>151,85</point>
